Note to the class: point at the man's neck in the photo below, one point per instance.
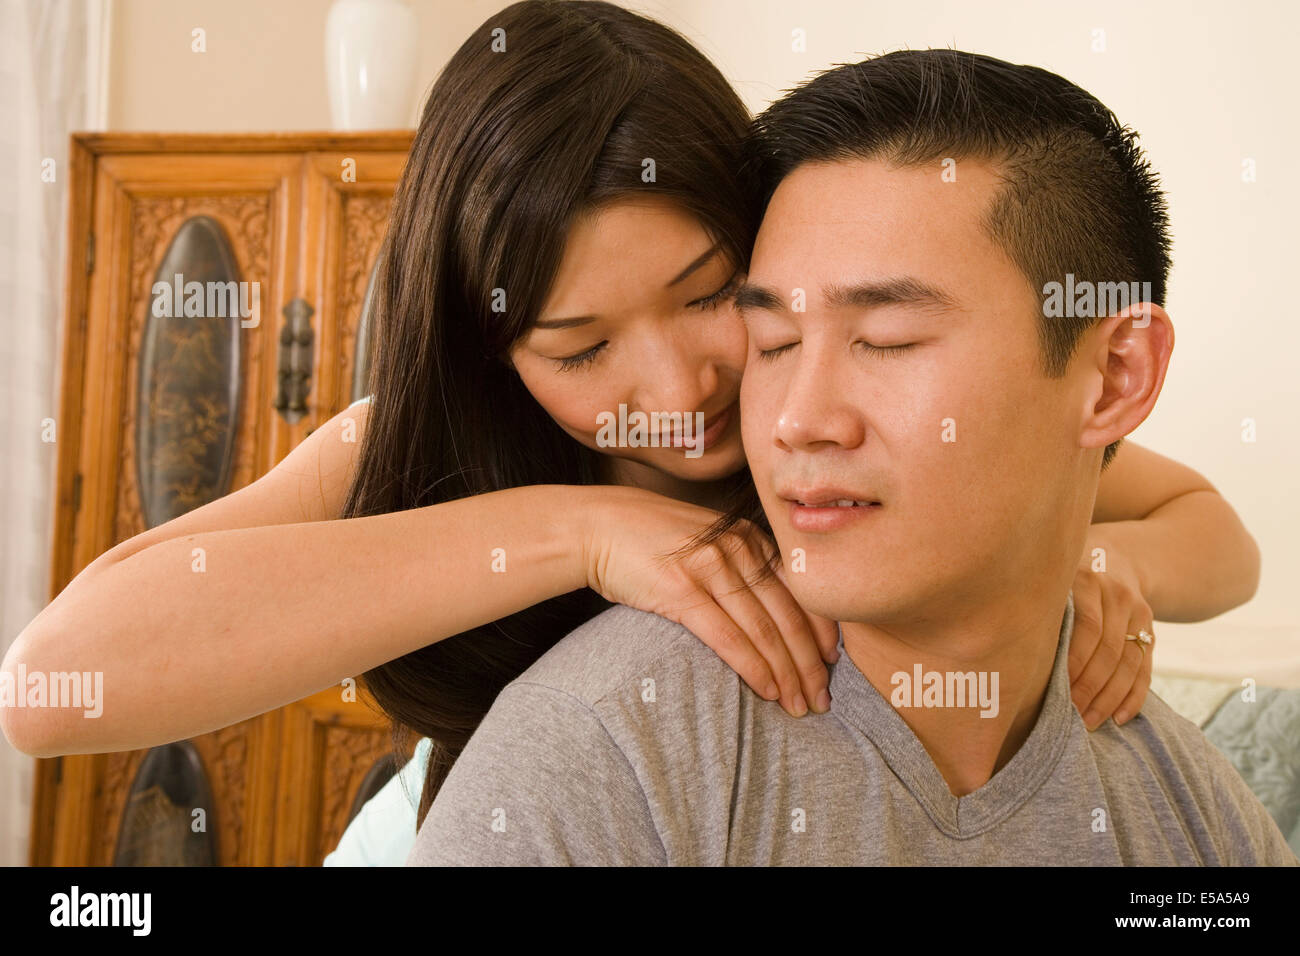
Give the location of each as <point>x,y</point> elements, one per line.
<point>1011,647</point>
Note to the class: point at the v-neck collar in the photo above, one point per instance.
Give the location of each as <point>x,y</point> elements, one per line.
<point>857,702</point>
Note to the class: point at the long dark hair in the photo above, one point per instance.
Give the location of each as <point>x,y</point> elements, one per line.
<point>548,110</point>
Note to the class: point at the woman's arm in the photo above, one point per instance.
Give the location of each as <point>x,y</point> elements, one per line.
<point>264,597</point>
<point>1191,555</point>
<point>259,599</point>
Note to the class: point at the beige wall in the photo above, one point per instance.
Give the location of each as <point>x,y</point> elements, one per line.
<point>264,67</point>
<point>1207,85</point>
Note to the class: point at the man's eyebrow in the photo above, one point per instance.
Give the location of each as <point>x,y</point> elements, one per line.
<point>905,290</point>
<point>697,263</point>
<point>863,295</point>
<point>750,296</point>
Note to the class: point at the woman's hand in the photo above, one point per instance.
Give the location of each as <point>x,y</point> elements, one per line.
<point>777,648</point>
<point>1110,674</point>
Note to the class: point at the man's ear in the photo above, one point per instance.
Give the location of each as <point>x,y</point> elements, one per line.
<point>1128,357</point>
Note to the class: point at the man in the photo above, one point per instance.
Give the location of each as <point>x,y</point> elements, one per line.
<point>926,421</point>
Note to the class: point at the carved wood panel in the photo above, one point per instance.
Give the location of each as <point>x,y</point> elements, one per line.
<point>154,221</point>
<point>365,224</point>
<point>350,214</point>
<point>228,757</point>
<point>328,747</point>
<point>132,192</point>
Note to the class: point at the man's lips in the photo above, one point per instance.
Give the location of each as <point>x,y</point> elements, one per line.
<point>820,496</point>
<point>824,508</point>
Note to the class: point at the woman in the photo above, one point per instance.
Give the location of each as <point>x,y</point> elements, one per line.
<point>569,226</point>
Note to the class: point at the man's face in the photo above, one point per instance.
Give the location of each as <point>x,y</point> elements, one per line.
<point>962,456</point>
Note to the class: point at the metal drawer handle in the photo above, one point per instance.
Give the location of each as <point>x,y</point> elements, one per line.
<point>296,338</point>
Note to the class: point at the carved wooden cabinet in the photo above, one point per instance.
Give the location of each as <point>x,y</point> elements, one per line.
<point>159,416</point>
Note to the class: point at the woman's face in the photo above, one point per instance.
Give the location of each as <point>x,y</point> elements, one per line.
<point>640,315</point>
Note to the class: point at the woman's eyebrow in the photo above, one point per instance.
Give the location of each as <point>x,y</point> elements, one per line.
<point>586,319</point>
<point>564,323</point>
<point>705,257</point>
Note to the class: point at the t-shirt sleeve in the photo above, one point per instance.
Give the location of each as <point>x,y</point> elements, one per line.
<point>540,783</point>
<point>1250,834</point>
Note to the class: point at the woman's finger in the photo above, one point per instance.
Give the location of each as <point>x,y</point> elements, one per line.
<point>717,605</point>
<point>726,584</point>
<point>731,569</point>
<point>1132,705</point>
<point>796,631</point>
<point>1107,656</point>
<point>752,616</point>
<point>1088,621</point>
<point>712,625</point>
<point>825,631</point>
<point>1120,685</point>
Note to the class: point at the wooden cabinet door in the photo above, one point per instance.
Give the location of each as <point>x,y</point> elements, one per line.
<point>159,416</point>
<point>130,380</point>
<point>331,740</point>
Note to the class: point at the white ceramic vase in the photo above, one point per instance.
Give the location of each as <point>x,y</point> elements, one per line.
<point>370,63</point>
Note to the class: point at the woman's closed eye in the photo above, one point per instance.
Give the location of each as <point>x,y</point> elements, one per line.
<point>582,359</point>
<point>717,298</point>
<point>709,302</point>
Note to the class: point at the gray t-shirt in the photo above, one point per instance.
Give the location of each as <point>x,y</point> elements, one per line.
<point>631,742</point>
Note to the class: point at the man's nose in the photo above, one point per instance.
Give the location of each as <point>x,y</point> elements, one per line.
<point>817,412</point>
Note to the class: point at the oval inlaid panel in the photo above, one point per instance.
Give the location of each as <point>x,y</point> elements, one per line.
<point>190,381</point>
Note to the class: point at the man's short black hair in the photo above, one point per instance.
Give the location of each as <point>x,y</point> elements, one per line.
<point>1078,197</point>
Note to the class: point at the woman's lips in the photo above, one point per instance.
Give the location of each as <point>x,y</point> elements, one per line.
<point>714,428</point>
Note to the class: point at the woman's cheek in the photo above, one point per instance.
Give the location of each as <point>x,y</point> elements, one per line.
<point>734,342</point>
<point>559,399</point>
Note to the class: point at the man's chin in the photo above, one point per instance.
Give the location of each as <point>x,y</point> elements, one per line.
<point>837,600</point>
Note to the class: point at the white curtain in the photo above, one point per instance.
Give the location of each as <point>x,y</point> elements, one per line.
<point>52,59</point>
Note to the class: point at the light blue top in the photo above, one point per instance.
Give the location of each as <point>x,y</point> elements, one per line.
<point>383,832</point>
